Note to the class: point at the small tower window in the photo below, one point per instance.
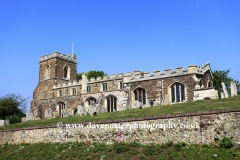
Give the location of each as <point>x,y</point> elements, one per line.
<point>47,72</point>
<point>60,93</point>
<point>121,85</point>
<point>105,87</point>
<point>74,91</point>
<point>88,89</point>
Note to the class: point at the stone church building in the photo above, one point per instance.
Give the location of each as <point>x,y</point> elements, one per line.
<point>59,94</point>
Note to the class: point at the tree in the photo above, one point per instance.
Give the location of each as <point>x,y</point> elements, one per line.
<point>12,105</point>
<point>222,76</point>
<point>79,76</point>
<point>91,74</point>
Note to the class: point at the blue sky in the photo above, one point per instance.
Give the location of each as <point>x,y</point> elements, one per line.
<point>116,36</point>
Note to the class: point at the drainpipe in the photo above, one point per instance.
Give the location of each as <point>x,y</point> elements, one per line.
<point>129,93</point>
<point>162,92</point>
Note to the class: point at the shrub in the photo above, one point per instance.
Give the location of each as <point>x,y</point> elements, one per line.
<point>207,98</point>
<point>163,146</point>
<point>134,152</point>
<point>180,145</point>
<point>102,147</point>
<point>205,146</point>
<point>150,151</point>
<point>121,149</point>
<point>216,139</point>
<point>226,143</point>
<point>233,153</point>
<point>173,155</point>
<point>135,144</point>
<point>109,149</point>
<point>169,144</point>
<point>15,119</point>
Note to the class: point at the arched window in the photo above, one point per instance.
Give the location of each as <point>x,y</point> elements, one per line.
<point>201,84</point>
<point>111,103</point>
<point>177,92</point>
<point>210,84</point>
<point>91,101</point>
<point>47,72</point>
<point>66,72</point>
<point>140,95</point>
<point>75,111</point>
<point>61,106</point>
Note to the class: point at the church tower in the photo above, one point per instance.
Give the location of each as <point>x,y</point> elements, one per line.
<point>54,68</point>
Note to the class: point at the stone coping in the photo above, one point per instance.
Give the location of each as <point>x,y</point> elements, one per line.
<point>176,115</point>
<point>204,88</point>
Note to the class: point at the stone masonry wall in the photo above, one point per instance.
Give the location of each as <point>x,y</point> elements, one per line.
<point>41,105</point>
<point>153,89</point>
<point>205,78</point>
<point>221,123</point>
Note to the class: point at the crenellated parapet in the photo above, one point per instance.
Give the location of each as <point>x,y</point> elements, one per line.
<point>69,57</point>
<point>192,69</point>
<point>70,84</point>
<point>140,76</point>
<point>92,80</point>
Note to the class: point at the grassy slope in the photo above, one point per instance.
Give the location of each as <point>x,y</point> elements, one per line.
<point>121,151</point>
<point>232,102</point>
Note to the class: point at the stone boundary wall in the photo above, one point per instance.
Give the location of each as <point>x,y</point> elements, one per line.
<point>210,124</point>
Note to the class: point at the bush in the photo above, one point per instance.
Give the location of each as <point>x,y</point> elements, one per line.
<point>109,149</point>
<point>180,145</point>
<point>207,98</point>
<point>169,144</point>
<point>226,143</point>
<point>150,151</point>
<point>101,147</point>
<point>121,149</point>
<point>135,144</point>
<point>134,152</point>
<point>15,119</point>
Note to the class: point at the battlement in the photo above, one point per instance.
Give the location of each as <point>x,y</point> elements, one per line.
<point>192,69</point>
<point>141,76</point>
<point>70,84</point>
<point>70,57</point>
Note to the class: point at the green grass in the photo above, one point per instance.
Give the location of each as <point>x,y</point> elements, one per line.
<point>232,102</point>
<point>120,151</point>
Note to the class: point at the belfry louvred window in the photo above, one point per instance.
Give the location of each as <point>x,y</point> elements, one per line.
<point>65,72</point>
